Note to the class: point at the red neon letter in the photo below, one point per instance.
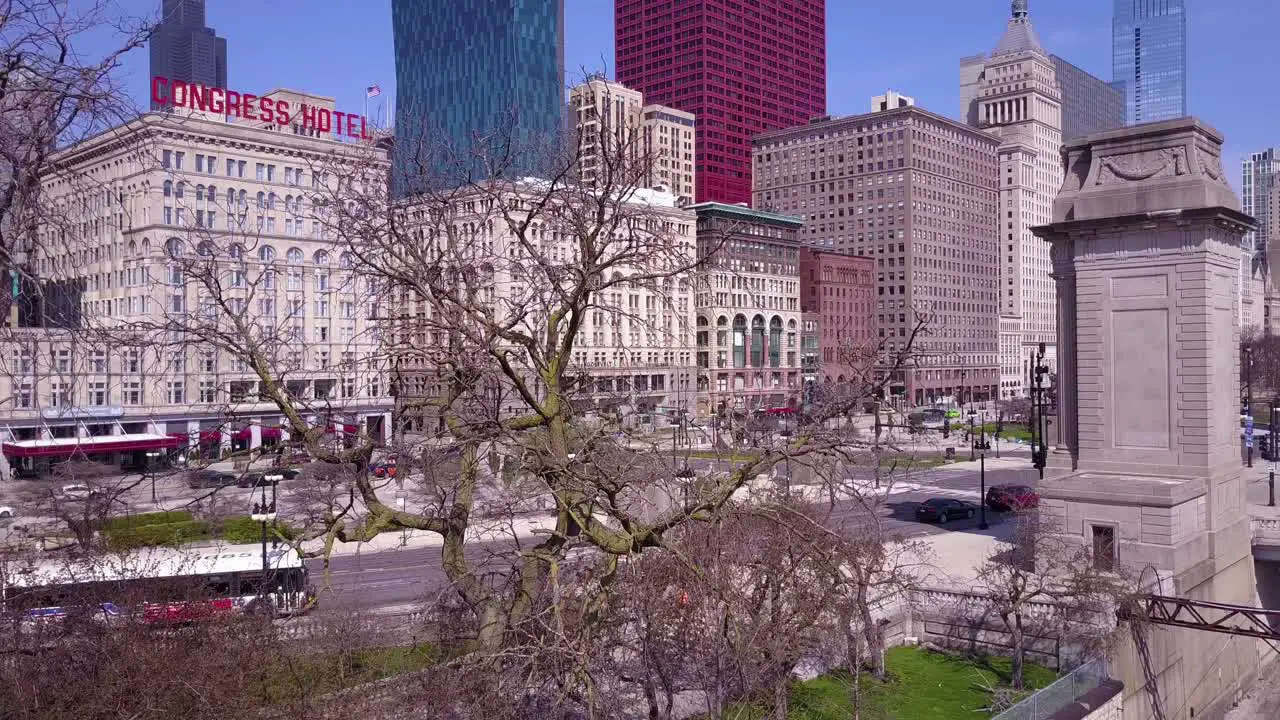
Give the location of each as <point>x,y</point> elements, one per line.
<point>351,125</point>
<point>267,106</point>
<point>215,100</point>
<point>159,93</point>
<point>337,122</point>
<point>364,135</point>
<point>199,100</point>
<point>233,103</point>
<point>247,110</point>
<point>323,119</point>
<point>308,116</point>
<point>282,112</point>
<point>180,95</point>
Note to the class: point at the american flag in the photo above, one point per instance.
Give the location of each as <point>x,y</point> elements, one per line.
<point>373,91</point>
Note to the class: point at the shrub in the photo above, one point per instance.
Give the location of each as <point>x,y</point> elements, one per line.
<point>171,534</point>
<point>129,522</point>
<point>243,530</point>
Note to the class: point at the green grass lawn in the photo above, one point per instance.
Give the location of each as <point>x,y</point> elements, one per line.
<point>179,527</point>
<point>911,462</point>
<point>922,686</point>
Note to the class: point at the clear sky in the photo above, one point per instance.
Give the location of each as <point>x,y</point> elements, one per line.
<point>338,47</point>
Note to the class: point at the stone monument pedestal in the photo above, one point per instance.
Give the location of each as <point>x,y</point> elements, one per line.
<point>1146,247</point>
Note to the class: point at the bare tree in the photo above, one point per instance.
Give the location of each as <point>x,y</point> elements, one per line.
<point>1048,581</point>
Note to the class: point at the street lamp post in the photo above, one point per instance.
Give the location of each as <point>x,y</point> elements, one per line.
<point>151,457</point>
<point>264,512</point>
<point>980,443</point>
<point>1040,444</point>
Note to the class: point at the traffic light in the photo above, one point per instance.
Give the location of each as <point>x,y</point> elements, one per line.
<point>946,427</point>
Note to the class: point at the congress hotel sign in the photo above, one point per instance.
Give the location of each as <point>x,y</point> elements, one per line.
<point>246,106</point>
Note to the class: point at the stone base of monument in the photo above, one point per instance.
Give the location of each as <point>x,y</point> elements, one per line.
<point>1146,253</point>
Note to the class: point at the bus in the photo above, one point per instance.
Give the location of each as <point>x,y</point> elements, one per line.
<point>159,585</point>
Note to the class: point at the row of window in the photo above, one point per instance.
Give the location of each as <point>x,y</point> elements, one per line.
<point>265,172</point>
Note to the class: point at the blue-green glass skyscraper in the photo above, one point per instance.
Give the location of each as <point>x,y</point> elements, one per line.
<point>1149,58</point>
<point>479,89</point>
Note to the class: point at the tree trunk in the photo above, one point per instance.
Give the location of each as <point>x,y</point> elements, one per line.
<point>780,698</point>
<point>1017,639</point>
<point>873,633</point>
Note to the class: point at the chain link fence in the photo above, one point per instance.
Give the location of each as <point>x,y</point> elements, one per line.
<point>1042,704</point>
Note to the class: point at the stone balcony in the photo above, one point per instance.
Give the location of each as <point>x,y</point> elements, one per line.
<point>1266,531</point>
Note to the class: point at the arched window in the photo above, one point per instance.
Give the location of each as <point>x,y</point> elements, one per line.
<point>133,248</point>
<point>344,261</point>
<point>262,200</point>
<point>775,342</point>
<point>321,257</point>
<point>271,201</point>
<point>206,249</point>
<point>739,341</point>
<point>231,198</point>
<point>757,341</point>
<point>180,190</point>
<point>244,200</point>
<point>236,251</point>
<point>211,192</point>
<point>288,203</point>
<point>267,254</point>
<point>294,256</point>
<point>200,193</point>
<point>173,247</point>
<point>168,188</point>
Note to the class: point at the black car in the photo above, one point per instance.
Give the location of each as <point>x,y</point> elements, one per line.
<point>259,479</point>
<point>206,479</point>
<point>944,509</point>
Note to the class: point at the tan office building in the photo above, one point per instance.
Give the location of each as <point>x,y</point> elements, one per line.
<point>609,114</point>
<point>917,192</point>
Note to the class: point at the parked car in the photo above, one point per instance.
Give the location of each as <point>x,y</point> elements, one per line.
<point>207,479</point>
<point>7,512</point>
<point>259,479</point>
<point>1006,498</point>
<point>944,509</point>
<point>77,492</point>
<point>386,468</point>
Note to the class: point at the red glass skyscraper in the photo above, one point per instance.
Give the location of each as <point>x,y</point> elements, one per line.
<point>741,68</point>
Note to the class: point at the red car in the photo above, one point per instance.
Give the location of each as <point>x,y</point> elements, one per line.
<point>1007,498</point>
<point>384,469</point>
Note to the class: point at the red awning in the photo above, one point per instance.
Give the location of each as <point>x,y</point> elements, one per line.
<point>349,429</point>
<point>244,433</point>
<point>210,436</point>
<point>272,433</point>
<point>89,445</point>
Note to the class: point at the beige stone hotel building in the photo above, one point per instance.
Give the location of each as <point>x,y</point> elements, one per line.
<point>184,225</point>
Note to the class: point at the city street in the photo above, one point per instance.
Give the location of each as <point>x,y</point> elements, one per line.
<point>402,578</point>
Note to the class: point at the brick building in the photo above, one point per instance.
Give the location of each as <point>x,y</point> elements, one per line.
<point>916,193</point>
<point>840,291</point>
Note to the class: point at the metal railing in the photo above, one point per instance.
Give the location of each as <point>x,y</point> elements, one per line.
<point>1047,701</point>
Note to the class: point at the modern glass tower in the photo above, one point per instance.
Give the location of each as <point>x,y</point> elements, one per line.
<point>1149,58</point>
<point>479,89</point>
<point>182,48</point>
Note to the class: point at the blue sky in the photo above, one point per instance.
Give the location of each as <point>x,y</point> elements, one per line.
<point>337,48</point>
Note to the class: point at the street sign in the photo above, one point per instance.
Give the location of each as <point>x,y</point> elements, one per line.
<point>1248,431</point>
